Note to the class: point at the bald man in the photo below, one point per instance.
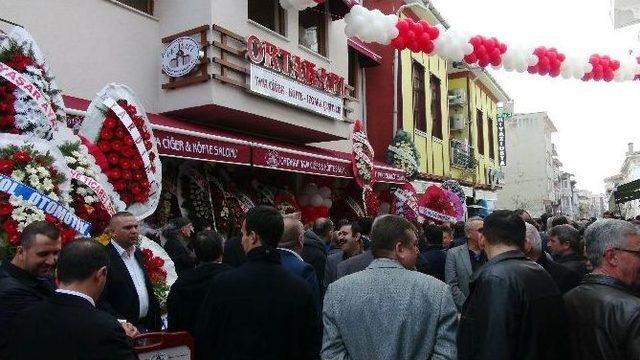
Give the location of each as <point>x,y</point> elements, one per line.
<point>290,248</point>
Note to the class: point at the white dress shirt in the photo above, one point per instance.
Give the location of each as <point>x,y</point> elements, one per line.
<point>137,276</point>
<point>76,293</point>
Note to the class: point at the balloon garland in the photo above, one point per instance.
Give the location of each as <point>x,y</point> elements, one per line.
<point>455,45</point>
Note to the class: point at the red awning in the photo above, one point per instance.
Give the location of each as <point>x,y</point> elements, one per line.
<point>367,56</point>
<point>181,139</point>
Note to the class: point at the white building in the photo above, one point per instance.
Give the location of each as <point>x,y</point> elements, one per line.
<point>568,200</point>
<point>589,204</point>
<point>629,171</point>
<point>532,172</point>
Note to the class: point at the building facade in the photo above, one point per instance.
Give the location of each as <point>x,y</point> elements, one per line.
<point>629,172</point>
<point>589,204</point>
<point>532,171</point>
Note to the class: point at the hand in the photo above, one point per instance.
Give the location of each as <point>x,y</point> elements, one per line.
<point>129,329</point>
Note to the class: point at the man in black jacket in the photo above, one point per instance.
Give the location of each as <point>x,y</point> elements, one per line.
<point>128,294</point>
<point>27,280</point>
<point>259,310</point>
<point>188,292</point>
<point>314,251</point>
<point>432,260</point>
<point>563,277</point>
<point>514,309</point>
<point>178,245</point>
<point>604,311</point>
<point>565,246</point>
<point>67,325</point>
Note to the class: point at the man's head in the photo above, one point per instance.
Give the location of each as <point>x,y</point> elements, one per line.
<point>83,267</point>
<point>394,237</point>
<point>350,238</point>
<point>263,226</point>
<point>559,220</point>
<point>123,229</point>
<point>564,240</point>
<point>473,231</point>
<point>608,215</point>
<point>208,246</point>
<point>293,235</point>
<point>323,227</point>
<point>543,220</point>
<point>524,215</point>
<point>183,226</point>
<point>533,242</point>
<point>447,236</point>
<point>365,224</point>
<point>503,228</point>
<point>613,248</point>
<point>39,247</point>
<point>433,234</point>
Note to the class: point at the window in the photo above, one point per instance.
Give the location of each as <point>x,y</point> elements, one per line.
<point>491,146</point>
<point>354,71</point>
<point>313,29</point>
<point>145,6</point>
<point>269,14</point>
<point>480,131</point>
<point>419,100</point>
<point>436,106</point>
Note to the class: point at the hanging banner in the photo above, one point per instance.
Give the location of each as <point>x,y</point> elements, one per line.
<point>25,85</point>
<point>504,114</point>
<point>100,192</point>
<point>44,203</point>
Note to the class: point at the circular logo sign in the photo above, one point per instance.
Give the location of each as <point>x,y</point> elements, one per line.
<point>180,57</point>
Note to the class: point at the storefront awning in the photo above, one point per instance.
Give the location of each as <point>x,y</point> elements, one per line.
<point>367,56</point>
<point>182,139</point>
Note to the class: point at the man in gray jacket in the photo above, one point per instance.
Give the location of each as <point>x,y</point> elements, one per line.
<point>414,316</point>
<point>464,260</point>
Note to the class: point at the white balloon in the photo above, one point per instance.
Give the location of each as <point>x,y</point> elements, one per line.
<point>327,203</point>
<point>303,200</point>
<point>325,192</point>
<point>316,200</point>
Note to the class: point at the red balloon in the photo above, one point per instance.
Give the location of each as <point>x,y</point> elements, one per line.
<point>495,53</point>
<point>398,43</point>
<point>481,50</point>
<point>425,25</point>
<point>540,51</point>
<point>608,76</point>
<point>490,43</point>
<point>434,32</point>
<point>403,25</point>
<point>606,57</point>
<point>409,35</point>
<point>561,57</point>
<point>496,61</point>
<point>615,65</point>
<point>427,47</point>
<point>471,58</point>
<point>503,48</point>
<point>413,45</point>
<point>551,56</point>
<point>594,59</point>
<point>554,72</point>
<point>543,70</point>
<point>555,65</point>
<point>532,69</point>
<point>475,41</point>
<point>416,27</point>
<point>587,77</point>
<point>544,62</point>
<point>483,62</point>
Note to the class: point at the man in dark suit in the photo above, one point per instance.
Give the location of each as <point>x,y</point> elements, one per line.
<point>67,325</point>
<point>259,310</point>
<point>27,280</point>
<point>316,242</point>
<point>290,247</point>
<point>350,240</point>
<point>178,245</point>
<point>128,294</point>
<point>432,261</point>
<point>188,292</point>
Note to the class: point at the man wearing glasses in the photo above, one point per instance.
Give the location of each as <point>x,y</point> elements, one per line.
<point>604,311</point>
<point>464,260</point>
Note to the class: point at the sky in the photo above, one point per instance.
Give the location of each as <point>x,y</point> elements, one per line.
<point>595,120</point>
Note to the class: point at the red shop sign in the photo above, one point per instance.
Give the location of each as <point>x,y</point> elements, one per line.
<point>390,175</point>
<point>299,162</point>
<point>195,147</point>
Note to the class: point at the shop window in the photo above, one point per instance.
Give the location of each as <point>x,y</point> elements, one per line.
<point>419,100</point>
<point>313,29</point>
<point>491,146</point>
<point>480,132</point>
<point>354,72</point>
<point>436,106</point>
<point>269,14</point>
<point>146,6</point>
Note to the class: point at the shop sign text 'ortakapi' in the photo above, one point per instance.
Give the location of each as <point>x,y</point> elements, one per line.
<point>279,75</point>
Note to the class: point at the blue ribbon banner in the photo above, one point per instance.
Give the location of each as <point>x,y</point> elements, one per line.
<point>44,203</point>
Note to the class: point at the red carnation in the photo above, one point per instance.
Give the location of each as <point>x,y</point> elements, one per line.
<point>119,185</point>
<point>5,209</point>
<point>10,226</point>
<point>126,174</point>
<point>66,236</point>
<point>125,164</point>
<point>126,198</point>
<point>138,176</point>
<point>115,174</point>
<point>13,239</point>
<point>104,146</point>
<point>22,156</point>
<point>110,123</point>
<point>7,120</point>
<point>136,189</point>
<point>6,166</point>
<point>116,146</point>
<point>157,262</point>
<point>106,134</point>
<point>113,159</point>
<point>120,133</point>
<point>128,140</point>
<point>147,253</point>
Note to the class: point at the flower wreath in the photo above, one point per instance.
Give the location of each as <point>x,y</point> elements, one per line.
<point>220,204</point>
<point>405,204</point>
<point>402,153</point>
<point>19,112</point>
<point>363,168</point>
<point>37,164</point>
<point>114,121</point>
<point>194,197</point>
<point>435,204</point>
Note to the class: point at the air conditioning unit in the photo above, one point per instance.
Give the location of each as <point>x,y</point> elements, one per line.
<point>457,97</point>
<point>456,122</point>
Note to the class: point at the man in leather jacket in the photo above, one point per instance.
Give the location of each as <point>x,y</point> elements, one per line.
<point>514,309</point>
<point>604,311</point>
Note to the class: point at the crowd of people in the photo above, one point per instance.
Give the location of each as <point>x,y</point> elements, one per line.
<point>507,286</point>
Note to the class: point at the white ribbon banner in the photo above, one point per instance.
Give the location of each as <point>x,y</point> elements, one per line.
<point>437,215</point>
<point>98,189</point>
<point>135,135</point>
<point>14,77</point>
